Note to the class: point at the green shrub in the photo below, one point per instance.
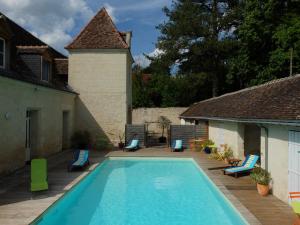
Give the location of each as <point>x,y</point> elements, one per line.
<point>261,176</point>
<point>227,153</point>
<point>81,140</point>
<point>206,143</point>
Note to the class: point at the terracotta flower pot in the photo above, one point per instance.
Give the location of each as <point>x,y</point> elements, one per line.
<point>192,146</point>
<point>297,220</point>
<point>263,190</point>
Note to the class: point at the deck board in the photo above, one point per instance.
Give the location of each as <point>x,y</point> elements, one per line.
<point>19,206</point>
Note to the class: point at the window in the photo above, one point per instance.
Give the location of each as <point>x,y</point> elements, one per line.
<point>2,53</point>
<point>46,70</point>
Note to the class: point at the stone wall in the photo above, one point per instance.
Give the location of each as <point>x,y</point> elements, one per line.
<point>142,115</point>
<point>48,105</point>
<point>103,80</point>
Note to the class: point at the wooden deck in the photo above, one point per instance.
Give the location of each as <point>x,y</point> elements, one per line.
<point>19,206</point>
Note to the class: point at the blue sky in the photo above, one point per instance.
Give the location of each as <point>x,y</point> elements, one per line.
<point>57,21</point>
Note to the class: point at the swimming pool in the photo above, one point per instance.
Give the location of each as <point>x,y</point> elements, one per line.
<point>143,191</point>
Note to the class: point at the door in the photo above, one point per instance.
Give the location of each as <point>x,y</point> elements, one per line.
<point>31,143</point>
<point>28,137</point>
<point>65,130</point>
<point>294,161</point>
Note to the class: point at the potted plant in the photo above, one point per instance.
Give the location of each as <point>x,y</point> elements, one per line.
<point>262,179</point>
<point>227,153</point>
<point>205,146</point>
<point>163,124</point>
<point>121,144</point>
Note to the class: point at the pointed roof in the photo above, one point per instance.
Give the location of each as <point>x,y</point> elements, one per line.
<point>99,33</point>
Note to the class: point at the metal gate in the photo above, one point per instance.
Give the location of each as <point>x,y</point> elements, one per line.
<point>136,132</point>
<point>294,161</point>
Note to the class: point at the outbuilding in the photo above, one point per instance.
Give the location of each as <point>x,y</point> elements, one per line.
<point>262,120</point>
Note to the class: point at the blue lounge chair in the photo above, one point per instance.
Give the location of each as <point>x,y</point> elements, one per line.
<point>134,145</point>
<point>177,146</point>
<point>81,159</point>
<point>247,166</point>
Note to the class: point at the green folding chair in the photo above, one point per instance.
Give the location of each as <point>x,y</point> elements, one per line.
<point>39,178</point>
<point>295,204</point>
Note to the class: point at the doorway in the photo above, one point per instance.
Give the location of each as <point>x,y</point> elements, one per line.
<point>294,161</point>
<point>31,140</point>
<point>252,135</point>
<point>65,130</point>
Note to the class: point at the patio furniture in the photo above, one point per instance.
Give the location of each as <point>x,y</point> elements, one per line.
<point>81,159</point>
<point>234,162</point>
<point>295,204</point>
<point>134,145</point>
<point>39,178</point>
<point>177,146</point>
<point>247,166</point>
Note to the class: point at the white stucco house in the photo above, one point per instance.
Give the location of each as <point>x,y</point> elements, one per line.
<point>262,120</point>
<point>45,96</point>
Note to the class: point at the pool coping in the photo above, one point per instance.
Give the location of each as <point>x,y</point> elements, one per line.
<point>237,205</point>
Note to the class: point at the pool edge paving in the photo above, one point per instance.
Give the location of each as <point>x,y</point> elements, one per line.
<point>18,206</point>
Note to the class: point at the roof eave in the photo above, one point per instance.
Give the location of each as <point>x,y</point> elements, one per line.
<point>240,120</point>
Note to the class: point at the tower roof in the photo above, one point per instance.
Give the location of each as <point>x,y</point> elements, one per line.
<point>99,33</point>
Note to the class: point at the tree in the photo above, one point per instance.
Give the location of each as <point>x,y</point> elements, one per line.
<point>221,46</point>
<point>270,29</point>
<point>163,123</point>
<point>198,37</point>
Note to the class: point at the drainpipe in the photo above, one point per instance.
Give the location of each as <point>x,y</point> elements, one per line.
<point>266,147</point>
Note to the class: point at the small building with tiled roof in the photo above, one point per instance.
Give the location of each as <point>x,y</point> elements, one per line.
<point>36,103</point>
<point>45,96</point>
<point>100,63</point>
<point>262,120</point>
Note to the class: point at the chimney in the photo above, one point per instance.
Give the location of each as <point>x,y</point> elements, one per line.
<point>128,38</point>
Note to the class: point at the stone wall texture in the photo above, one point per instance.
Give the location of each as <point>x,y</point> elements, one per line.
<point>103,80</point>
<point>142,115</point>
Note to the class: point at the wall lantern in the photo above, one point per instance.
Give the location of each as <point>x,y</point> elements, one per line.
<point>7,116</point>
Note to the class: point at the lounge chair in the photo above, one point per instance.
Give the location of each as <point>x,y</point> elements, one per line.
<point>295,204</point>
<point>177,146</point>
<point>81,159</point>
<point>134,145</point>
<point>247,166</point>
<point>39,178</point>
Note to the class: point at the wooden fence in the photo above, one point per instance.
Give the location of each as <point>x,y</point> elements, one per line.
<point>187,133</point>
<point>135,132</point>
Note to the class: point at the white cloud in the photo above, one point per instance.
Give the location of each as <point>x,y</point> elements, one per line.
<point>50,20</point>
<point>142,61</point>
<point>135,7</point>
<point>144,5</point>
<point>111,11</point>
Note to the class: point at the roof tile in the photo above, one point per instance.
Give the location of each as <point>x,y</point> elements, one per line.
<point>275,100</point>
<point>99,33</point>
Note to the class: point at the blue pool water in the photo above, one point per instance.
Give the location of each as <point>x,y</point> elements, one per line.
<point>127,191</point>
